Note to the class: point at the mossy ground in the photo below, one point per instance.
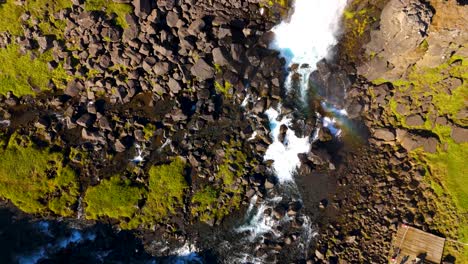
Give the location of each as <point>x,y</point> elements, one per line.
<point>114,198</point>
<point>42,10</point>
<point>210,203</point>
<point>36,180</point>
<point>166,190</point>
<point>447,167</point>
<point>22,75</point>
<point>358,19</point>
<point>110,7</point>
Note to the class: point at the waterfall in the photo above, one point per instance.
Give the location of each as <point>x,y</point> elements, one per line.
<point>305,39</point>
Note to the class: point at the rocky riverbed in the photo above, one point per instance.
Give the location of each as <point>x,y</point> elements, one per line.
<point>148,122</point>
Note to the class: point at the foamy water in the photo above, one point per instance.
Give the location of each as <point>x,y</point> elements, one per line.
<point>305,39</point>
<point>284,154</point>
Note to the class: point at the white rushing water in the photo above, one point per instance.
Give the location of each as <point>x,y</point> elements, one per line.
<point>305,39</point>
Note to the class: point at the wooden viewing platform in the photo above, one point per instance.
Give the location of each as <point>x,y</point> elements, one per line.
<point>410,244</point>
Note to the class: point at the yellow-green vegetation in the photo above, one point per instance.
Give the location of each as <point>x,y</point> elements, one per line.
<point>111,7</point>
<point>42,10</point>
<point>167,187</point>
<point>204,202</point>
<point>36,180</point>
<point>149,130</point>
<point>447,87</point>
<point>357,19</point>
<point>233,166</point>
<point>23,75</point>
<point>114,198</point>
<point>214,204</point>
<point>224,89</point>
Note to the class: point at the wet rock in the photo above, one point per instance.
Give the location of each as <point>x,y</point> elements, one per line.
<point>269,185</point>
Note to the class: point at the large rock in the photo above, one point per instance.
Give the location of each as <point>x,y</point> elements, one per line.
<point>384,134</point>
<point>403,26</point>
<point>459,134</point>
<point>202,70</point>
<point>220,57</point>
<point>414,120</point>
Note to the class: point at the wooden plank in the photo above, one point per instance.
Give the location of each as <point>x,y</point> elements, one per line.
<point>410,243</point>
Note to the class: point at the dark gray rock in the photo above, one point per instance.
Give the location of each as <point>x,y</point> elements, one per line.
<point>174,86</point>
<point>384,134</point>
<point>74,88</point>
<point>85,120</point>
<point>161,68</point>
<point>202,70</point>
<point>220,56</point>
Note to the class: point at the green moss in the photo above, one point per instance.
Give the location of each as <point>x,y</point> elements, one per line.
<point>42,10</point>
<point>19,73</point>
<point>447,167</point>
<point>110,7</point>
<point>451,169</point>
<point>357,21</point>
<point>167,187</point>
<point>215,204</point>
<point>204,203</point>
<point>114,198</point>
<point>149,130</point>
<point>233,165</point>
<point>224,89</point>
<point>35,180</point>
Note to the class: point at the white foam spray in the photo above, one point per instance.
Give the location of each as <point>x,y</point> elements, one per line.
<point>305,39</point>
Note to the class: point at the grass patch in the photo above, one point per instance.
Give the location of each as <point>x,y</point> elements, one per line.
<point>42,10</point>
<point>451,169</point>
<point>447,167</point>
<point>167,187</point>
<point>110,7</point>
<point>36,180</point>
<point>233,166</point>
<point>23,75</point>
<point>114,198</point>
<point>204,203</point>
<point>214,204</point>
